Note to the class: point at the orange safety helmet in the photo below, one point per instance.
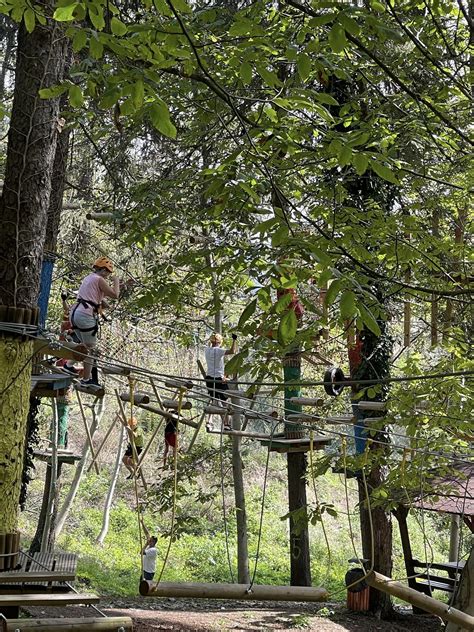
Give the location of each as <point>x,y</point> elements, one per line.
<point>104,262</point>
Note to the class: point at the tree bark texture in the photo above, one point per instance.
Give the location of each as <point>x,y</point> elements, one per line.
<point>239,495</point>
<point>299,535</point>
<point>30,155</point>
<point>376,535</point>
<point>464,600</point>
<point>15,357</point>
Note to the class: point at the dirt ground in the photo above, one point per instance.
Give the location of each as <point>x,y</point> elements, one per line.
<point>196,615</point>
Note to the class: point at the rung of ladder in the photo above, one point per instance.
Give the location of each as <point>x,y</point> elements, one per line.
<point>187,384</point>
<point>371,405</point>
<point>303,417</point>
<point>307,401</point>
<point>339,419</point>
<point>217,410</point>
<point>173,404</point>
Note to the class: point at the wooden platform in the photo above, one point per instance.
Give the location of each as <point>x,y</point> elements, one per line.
<point>54,562</point>
<point>296,445</point>
<point>47,599</point>
<point>26,577</point>
<point>86,624</point>
<point>63,457</point>
<point>48,384</point>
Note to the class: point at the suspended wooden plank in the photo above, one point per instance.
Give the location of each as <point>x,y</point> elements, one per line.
<point>420,600</point>
<point>307,401</point>
<point>250,414</point>
<point>67,350</point>
<point>109,369</point>
<point>51,599</point>
<point>173,404</point>
<point>217,410</point>
<point>187,384</point>
<point>371,405</point>
<point>232,591</point>
<point>167,414</point>
<point>312,419</point>
<point>339,419</point>
<point>50,382</point>
<point>94,624</point>
<point>45,456</point>
<point>99,216</point>
<point>239,433</point>
<point>138,398</point>
<point>296,445</point>
<point>90,389</point>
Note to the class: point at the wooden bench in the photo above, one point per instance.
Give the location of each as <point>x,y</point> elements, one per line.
<point>430,579</point>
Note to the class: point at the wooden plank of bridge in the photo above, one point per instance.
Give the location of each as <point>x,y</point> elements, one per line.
<point>27,577</point>
<point>48,599</point>
<point>86,624</point>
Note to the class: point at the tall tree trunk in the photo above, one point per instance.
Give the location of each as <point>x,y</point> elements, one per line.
<point>23,208</point>
<point>463,600</point>
<point>243,575</point>
<point>113,483</point>
<point>300,562</point>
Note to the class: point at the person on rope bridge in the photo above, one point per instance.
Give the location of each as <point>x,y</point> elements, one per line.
<point>215,374</point>
<point>67,334</point>
<point>149,553</point>
<point>171,438</point>
<point>135,435</point>
<point>85,313</point>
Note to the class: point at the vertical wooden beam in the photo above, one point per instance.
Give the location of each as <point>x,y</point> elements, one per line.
<point>89,438</point>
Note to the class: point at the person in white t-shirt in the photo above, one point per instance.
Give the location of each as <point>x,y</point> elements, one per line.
<point>150,553</point>
<point>215,374</point>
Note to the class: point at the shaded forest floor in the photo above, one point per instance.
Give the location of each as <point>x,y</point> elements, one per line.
<point>215,615</point>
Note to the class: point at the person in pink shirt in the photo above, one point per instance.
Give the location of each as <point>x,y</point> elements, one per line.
<point>85,313</point>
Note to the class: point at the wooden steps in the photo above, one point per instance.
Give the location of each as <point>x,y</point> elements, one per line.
<point>86,624</point>
<point>32,577</point>
<point>48,599</point>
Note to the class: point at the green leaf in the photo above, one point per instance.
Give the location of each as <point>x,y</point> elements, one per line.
<point>96,48</point>
<point>337,38</point>
<point>138,94</point>
<point>287,328</point>
<point>54,92</point>
<point>369,320</point>
<point>234,364</point>
<point>378,6</point>
<point>268,76</point>
<point>97,17</point>
<point>160,117</point>
<point>347,304</point>
<point>360,162</point>
<point>345,156</point>
<point>383,171</point>
<point>304,66</point>
<point>29,18</point>
<point>247,313</point>
<point>79,40</point>
<point>245,72</point>
<point>332,292</point>
<point>117,26</point>
<point>182,5</point>
<point>349,24</point>
<point>325,98</point>
<point>76,98</point>
<point>280,235</point>
<point>65,14</point>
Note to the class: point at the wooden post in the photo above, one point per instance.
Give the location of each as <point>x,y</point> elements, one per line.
<point>232,591</point>
<point>454,537</point>
<point>296,467</point>
<point>443,610</point>
<point>196,432</point>
<point>89,438</point>
<point>53,479</point>
<point>401,513</point>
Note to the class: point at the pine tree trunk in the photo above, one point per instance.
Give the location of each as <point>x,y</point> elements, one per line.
<point>23,209</point>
